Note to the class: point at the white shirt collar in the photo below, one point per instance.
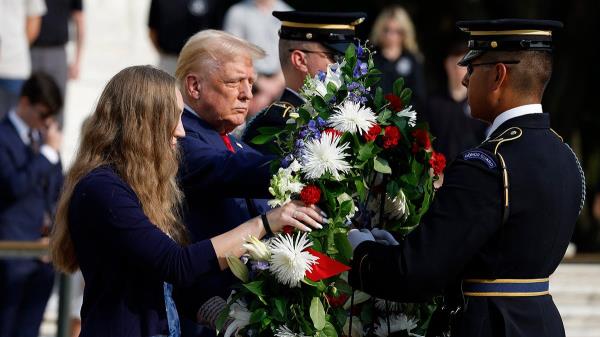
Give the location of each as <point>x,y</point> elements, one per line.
<point>20,125</point>
<point>512,113</point>
<point>189,108</point>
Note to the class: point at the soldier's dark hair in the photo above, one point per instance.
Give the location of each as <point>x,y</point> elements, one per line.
<point>40,88</point>
<point>286,45</point>
<point>531,75</point>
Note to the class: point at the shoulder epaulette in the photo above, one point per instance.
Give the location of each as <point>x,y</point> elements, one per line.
<point>508,135</point>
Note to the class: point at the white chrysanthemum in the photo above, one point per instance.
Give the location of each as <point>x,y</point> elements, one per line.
<point>410,114</point>
<point>241,317</point>
<point>397,323</point>
<point>352,117</point>
<point>257,249</point>
<point>284,184</point>
<point>289,262</point>
<point>395,208</point>
<point>325,155</point>
<point>284,331</point>
<point>317,85</point>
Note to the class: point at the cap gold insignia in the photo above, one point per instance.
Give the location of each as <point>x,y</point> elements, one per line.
<point>494,44</point>
<point>309,36</point>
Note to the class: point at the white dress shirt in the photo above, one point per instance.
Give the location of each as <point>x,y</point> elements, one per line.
<point>23,131</point>
<point>512,113</point>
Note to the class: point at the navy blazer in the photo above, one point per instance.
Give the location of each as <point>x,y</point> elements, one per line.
<point>29,185</point>
<point>125,258</point>
<point>217,182</point>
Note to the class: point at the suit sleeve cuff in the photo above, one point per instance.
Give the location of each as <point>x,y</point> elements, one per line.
<point>50,154</point>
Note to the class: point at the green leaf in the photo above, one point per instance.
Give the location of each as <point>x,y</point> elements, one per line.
<point>319,104</point>
<point>360,188</point>
<point>255,287</point>
<point>262,139</point>
<point>379,99</point>
<point>319,284</point>
<point>223,316</point>
<point>317,313</point>
<point>258,315</point>
<point>405,95</point>
<point>350,52</point>
<point>329,330</point>
<point>365,152</point>
<point>384,116</point>
<point>381,165</point>
<point>346,208</point>
<point>397,87</point>
<point>280,306</point>
<point>343,245</point>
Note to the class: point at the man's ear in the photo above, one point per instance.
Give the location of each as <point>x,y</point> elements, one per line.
<point>500,76</point>
<point>298,60</point>
<point>193,86</point>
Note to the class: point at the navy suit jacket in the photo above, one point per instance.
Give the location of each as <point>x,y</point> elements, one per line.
<point>125,258</point>
<point>217,182</point>
<point>29,185</point>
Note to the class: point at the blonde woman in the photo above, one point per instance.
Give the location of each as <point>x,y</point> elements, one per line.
<point>398,53</point>
<point>118,217</point>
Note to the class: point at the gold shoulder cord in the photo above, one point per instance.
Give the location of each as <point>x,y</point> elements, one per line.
<point>286,106</point>
<point>506,136</point>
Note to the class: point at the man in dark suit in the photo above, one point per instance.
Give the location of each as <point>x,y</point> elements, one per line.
<point>219,175</point>
<point>308,43</point>
<point>500,224</point>
<point>30,180</point>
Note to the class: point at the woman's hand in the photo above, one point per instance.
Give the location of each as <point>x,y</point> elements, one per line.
<point>297,215</point>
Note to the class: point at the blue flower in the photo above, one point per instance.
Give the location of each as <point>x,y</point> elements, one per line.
<point>360,69</point>
<point>259,265</point>
<point>360,51</point>
<point>312,125</point>
<point>303,133</point>
<point>321,76</point>
<point>287,160</point>
<point>321,122</point>
<point>299,144</point>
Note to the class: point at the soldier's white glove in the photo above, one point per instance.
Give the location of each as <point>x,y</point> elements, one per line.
<point>384,237</point>
<point>356,236</point>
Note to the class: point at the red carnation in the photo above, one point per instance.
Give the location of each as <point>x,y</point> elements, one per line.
<point>310,194</point>
<point>422,137</point>
<point>336,301</point>
<point>395,102</point>
<point>437,162</point>
<point>333,132</point>
<point>391,137</point>
<point>373,132</point>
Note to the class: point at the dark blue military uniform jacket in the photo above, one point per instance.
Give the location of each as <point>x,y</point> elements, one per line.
<point>274,116</point>
<point>469,233</point>
<point>29,186</point>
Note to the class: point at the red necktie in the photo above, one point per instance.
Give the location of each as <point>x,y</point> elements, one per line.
<point>227,142</point>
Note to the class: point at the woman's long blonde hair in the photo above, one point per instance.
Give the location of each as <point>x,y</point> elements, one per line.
<point>401,16</point>
<point>130,130</point>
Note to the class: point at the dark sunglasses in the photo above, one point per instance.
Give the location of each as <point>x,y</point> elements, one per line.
<point>471,66</point>
<point>335,57</point>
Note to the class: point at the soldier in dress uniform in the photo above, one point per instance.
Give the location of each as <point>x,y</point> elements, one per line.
<point>500,224</point>
<point>308,43</point>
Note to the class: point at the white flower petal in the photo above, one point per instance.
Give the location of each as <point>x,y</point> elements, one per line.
<point>410,114</point>
<point>397,323</point>
<point>284,331</point>
<point>289,262</point>
<point>352,117</point>
<point>325,155</point>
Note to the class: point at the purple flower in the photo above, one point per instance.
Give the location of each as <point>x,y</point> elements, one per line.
<point>287,160</point>
<point>259,265</point>
<point>360,69</point>
<point>321,76</point>
<point>312,125</point>
<point>360,51</point>
<point>303,133</point>
<point>321,122</point>
<point>299,144</point>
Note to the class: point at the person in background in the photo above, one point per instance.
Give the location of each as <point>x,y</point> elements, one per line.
<point>20,22</point>
<point>48,52</point>
<point>172,22</point>
<point>118,216</point>
<point>30,181</point>
<point>448,112</point>
<point>398,53</point>
<point>252,21</point>
<point>308,43</point>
